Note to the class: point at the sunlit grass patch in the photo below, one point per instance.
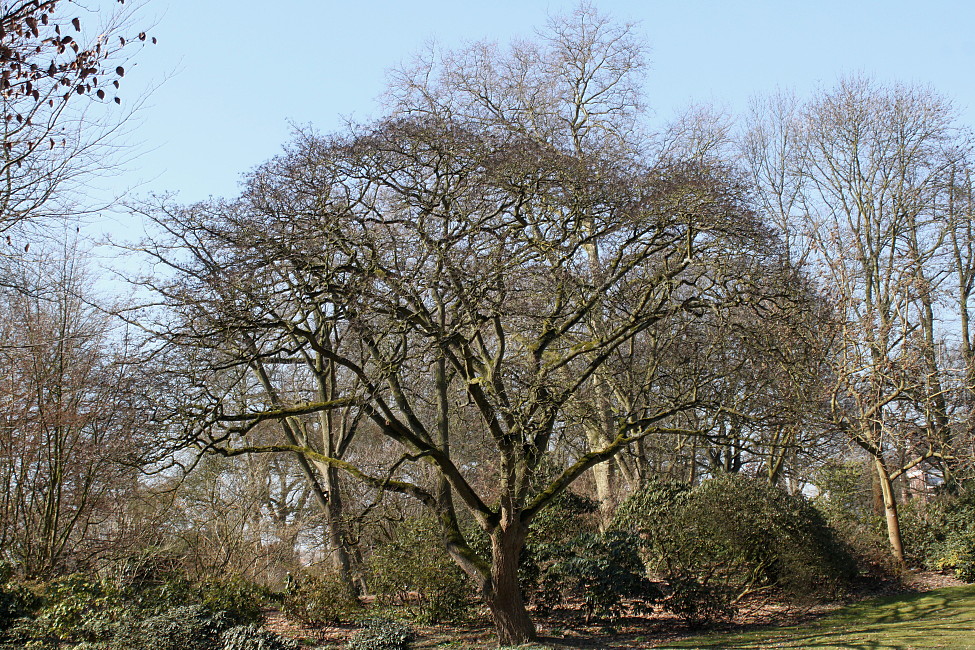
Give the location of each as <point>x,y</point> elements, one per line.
<point>937,619</point>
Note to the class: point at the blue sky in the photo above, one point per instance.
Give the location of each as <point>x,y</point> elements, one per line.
<point>234,76</point>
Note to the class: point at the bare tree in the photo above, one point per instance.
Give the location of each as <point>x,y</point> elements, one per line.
<point>67,414</point>
<point>454,260</point>
<point>857,177</point>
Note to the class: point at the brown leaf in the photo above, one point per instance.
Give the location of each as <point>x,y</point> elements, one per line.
<point>120,71</point>
<point>142,36</point>
<point>118,101</point>
<point>101,94</point>
<point>77,24</point>
<point>121,40</point>
<point>153,40</point>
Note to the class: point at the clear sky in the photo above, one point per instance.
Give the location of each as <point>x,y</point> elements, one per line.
<point>237,74</point>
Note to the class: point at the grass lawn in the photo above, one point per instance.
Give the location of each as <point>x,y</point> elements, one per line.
<point>944,618</point>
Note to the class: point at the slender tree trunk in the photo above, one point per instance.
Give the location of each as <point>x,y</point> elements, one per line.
<point>876,495</point>
<point>503,595</point>
<point>890,511</point>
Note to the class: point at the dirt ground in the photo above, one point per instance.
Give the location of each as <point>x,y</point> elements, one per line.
<point>566,630</point>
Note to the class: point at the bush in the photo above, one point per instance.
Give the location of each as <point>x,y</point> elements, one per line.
<point>79,608</point>
<point>252,637</point>
<point>941,533</point>
<point>321,599</point>
<point>382,634</point>
<point>729,536</point>
<point>241,600</point>
<point>846,500</point>
<point>567,517</point>
<point>413,569</point>
<point>16,599</point>
<point>697,602</point>
<point>601,570</point>
<point>123,613</point>
<point>189,627</point>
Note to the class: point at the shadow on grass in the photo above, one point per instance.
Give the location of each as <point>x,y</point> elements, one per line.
<point>942,618</point>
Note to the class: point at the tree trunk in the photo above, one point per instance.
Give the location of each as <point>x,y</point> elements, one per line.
<point>335,533</point>
<point>890,512</point>
<point>607,489</point>
<point>503,595</point>
<point>876,494</point>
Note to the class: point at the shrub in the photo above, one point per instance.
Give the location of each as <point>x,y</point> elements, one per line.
<point>321,599</point>
<point>164,592</point>
<point>566,518</point>
<point>382,634</point>
<point>941,533</point>
<point>189,627</point>
<point>121,613</point>
<point>601,570</point>
<point>846,500</point>
<point>252,637</point>
<point>730,535</point>
<point>241,600</point>
<point>698,602</point>
<point>79,608</point>
<point>413,569</point>
<point>16,599</point>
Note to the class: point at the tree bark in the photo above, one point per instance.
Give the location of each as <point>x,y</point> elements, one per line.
<point>606,481</point>
<point>890,512</point>
<point>503,594</point>
<point>335,523</point>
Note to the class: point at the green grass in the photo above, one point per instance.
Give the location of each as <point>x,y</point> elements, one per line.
<point>936,619</point>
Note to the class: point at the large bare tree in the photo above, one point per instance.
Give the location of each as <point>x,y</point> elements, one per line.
<point>457,262</point>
